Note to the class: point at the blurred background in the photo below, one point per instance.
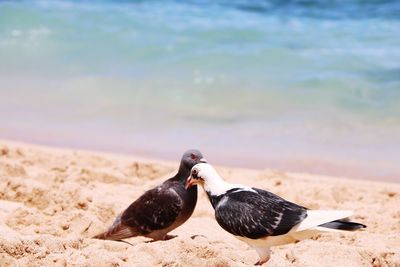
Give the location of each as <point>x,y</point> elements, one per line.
<point>310,86</point>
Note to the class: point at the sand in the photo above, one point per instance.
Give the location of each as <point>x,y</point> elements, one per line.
<point>53,200</point>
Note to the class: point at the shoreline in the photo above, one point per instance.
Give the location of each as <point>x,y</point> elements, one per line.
<point>311,166</point>
<point>148,159</point>
<point>52,200</point>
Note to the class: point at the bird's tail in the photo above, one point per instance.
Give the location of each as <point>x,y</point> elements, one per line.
<point>102,236</point>
<point>343,225</point>
<point>117,231</point>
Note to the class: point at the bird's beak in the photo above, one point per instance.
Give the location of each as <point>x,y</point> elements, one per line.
<point>203,160</point>
<point>189,182</point>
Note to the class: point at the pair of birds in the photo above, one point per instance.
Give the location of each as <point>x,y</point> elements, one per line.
<point>257,217</point>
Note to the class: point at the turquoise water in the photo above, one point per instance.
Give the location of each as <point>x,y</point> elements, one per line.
<point>295,85</point>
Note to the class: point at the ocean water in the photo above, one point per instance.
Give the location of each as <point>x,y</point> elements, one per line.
<point>310,86</point>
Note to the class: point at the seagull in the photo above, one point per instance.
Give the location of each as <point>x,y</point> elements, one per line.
<point>159,210</point>
<point>260,218</point>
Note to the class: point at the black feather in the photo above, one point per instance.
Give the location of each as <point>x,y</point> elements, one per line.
<point>343,225</point>
<point>256,214</point>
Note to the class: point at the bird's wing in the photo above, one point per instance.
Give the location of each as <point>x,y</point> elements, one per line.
<point>156,209</point>
<point>258,213</point>
<point>319,217</point>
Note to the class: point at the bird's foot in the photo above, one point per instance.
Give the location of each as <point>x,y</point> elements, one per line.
<point>168,237</point>
<point>194,236</point>
<point>262,261</point>
<point>161,238</point>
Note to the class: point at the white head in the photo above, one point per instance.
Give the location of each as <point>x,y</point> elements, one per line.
<point>205,175</point>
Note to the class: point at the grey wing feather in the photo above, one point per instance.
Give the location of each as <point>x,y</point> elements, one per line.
<point>157,209</point>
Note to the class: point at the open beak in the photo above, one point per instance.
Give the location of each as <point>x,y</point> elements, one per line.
<point>189,182</point>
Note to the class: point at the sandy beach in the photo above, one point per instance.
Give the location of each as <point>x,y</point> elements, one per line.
<point>53,200</point>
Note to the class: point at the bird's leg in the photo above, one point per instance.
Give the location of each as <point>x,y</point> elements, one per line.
<point>168,237</point>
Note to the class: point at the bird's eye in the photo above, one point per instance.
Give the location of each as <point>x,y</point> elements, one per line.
<point>194,173</point>
<point>192,156</point>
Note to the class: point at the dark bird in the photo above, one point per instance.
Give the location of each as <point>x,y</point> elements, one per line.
<point>263,219</point>
<point>161,209</point>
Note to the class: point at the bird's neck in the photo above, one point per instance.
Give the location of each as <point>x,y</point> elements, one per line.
<point>183,173</point>
<point>216,186</point>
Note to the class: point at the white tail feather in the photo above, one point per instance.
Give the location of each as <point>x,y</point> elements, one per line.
<point>325,229</point>
<point>318,217</point>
